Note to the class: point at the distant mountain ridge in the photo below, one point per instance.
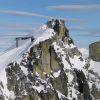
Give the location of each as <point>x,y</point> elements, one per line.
<point>94,51</point>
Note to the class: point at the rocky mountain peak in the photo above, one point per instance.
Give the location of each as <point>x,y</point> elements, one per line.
<point>52,68</point>
<point>59,27</point>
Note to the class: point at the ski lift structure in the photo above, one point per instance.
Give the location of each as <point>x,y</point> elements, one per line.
<point>23,38</point>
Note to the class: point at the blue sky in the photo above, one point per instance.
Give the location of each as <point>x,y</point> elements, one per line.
<point>18,17</point>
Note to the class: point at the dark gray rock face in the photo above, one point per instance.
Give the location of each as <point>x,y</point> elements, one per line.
<point>19,83</point>
<point>83,86</point>
<point>24,86</point>
<point>94,51</point>
<point>60,83</point>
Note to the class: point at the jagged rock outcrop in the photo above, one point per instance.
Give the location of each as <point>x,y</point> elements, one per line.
<point>94,51</point>
<point>83,85</point>
<point>46,60</point>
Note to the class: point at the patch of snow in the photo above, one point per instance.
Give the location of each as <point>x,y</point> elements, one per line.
<point>72,93</point>
<point>62,55</point>
<point>85,52</point>
<point>77,63</point>
<point>90,84</point>
<point>25,93</point>
<point>25,71</point>
<point>72,45</point>
<point>60,95</point>
<point>98,85</point>
<point>43,27</point>
<point>36,73</point>
<point>66,46</point>
<point>38,88</point>
<point>46,34</point>
<point>56,74</point>
<point>42,33</point>
<point>70,77</point>
<point>42,85</point>
<point>44,73</point>
<point>95,66</point>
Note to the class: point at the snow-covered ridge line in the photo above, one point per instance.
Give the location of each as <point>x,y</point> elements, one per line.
<point>12,55</point>
<point>42,33</point>
<point>85,52</point>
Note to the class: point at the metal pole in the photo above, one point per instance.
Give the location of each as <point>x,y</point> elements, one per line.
<point>16,42</point>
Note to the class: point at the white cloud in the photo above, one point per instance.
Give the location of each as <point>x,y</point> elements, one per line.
<point>89,7</point>
<point>83,32</point>
<point>31,14</point>
<point>87,35</point>
<point>28,29</point>
<point>22,13</point>
<point>91,31</point>
<point>17,25</point>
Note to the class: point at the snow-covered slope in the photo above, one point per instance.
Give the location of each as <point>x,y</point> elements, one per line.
<point>42,33</point>
<point>85,52</point>
<point>95,66</point>
<point>93,73</point>
<point>15,54</point>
